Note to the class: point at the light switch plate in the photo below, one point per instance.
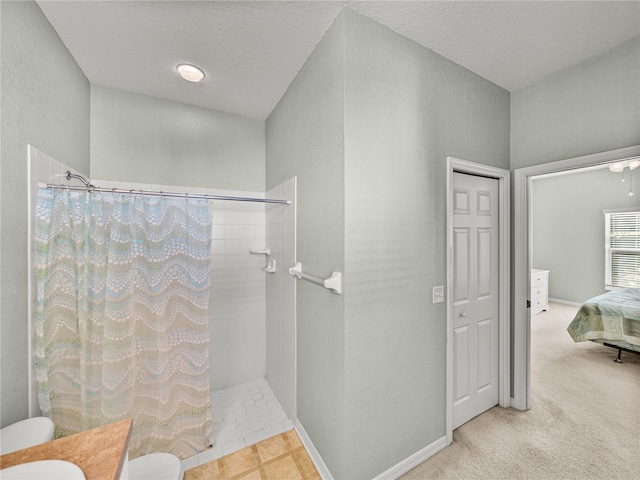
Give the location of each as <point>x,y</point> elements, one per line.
<point>438,294</point>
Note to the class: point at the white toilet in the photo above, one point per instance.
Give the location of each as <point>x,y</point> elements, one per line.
<point>26,433</point>
<point>156,466</point>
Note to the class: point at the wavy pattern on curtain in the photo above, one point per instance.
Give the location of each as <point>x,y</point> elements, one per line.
<point>122,327</point>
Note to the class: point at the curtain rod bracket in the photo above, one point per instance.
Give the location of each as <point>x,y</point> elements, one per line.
<point>79,177</point>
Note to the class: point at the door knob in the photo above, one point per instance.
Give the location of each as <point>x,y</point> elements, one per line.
<point>463,314</point>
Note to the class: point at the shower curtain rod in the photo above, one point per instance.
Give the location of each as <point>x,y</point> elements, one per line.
<point>154,193</point>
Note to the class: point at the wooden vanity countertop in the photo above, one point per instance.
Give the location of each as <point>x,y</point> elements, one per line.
<point>99,452</point>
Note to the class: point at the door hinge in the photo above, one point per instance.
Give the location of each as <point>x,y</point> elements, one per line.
<point>528,303</point>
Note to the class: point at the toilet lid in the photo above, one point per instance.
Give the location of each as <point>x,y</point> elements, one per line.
<point>156,466</point>
<point>25,433</point>
<point>49,469</point>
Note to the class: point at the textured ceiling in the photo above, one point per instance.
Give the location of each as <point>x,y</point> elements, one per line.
<point>251,51</point>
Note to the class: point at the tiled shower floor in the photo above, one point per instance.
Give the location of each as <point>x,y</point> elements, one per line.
<point>242,416</point>
<point>246,414</point>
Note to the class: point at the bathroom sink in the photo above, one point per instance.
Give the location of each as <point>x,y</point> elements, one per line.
<point>43,469</point>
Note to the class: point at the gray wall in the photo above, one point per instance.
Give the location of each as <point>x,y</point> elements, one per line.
<point>568,228</point>
<point>144,139</point>
<point>366,126</point>
<point>45,103</point>
<point>305,138</point>
<point>589,108</point>
<point>406,110</point>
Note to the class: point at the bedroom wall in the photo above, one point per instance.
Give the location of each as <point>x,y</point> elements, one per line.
<point>45,103</point>
<point>142,139</point>
<point>591,107</point>
<point>568,228</point>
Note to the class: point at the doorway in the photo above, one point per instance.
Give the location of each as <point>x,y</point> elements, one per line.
<point>522,261</point>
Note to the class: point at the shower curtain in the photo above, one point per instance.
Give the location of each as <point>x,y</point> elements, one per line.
<point>122,328</point>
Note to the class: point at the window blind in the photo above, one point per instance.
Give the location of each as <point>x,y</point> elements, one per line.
<point>622,248</point>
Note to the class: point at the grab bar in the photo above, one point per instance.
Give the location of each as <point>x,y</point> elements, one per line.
<point>333,283</point>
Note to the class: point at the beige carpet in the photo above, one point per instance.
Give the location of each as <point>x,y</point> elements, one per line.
<point>584,422</point>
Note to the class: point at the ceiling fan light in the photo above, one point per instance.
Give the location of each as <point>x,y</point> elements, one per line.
<point>633,164</point>
<point>190,73</point>
<point>616,167</point>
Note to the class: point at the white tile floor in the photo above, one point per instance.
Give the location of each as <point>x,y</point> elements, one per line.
<point>242,416</point>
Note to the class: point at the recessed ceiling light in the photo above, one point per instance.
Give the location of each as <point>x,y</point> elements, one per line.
<point>190,72</point>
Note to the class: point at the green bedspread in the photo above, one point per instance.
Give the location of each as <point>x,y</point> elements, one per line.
<point>613,316</point>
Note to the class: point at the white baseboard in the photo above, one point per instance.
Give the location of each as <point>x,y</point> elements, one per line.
<point>414,460</point>
<point>565,302</point>
<point>322,468</point>
<point>394,472</point>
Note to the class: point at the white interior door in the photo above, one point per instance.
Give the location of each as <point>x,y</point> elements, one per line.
<point>475,300</point>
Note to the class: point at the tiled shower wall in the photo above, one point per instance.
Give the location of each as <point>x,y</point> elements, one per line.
<point>281,297</point>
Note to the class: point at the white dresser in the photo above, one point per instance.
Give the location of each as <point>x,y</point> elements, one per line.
<point>539,291</point>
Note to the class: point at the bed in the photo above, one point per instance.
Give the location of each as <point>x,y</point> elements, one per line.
<point>612,319</point>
